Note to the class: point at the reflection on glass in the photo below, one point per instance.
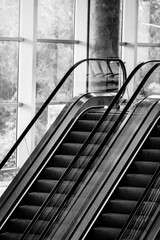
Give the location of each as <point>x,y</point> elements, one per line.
<point>8,71</point>
<point>56,19</point>
<point>104,76</point>
<point>46,119</point>
<point>9,18</point>
<point>149,21</point>
<point>53,61</point>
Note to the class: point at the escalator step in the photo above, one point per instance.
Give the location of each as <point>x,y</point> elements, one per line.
<point>137,180</point>
<point>130,193</point>
<point>45,185</point>
<point>37,198</point>
<point>93,115</point>
<point>78,136</point>
<point>19,225</point>
<point>113,219</point>
<point>121,206</point>
<point>61,160</point>
<point>118,220</point>
<point>52,173</point>
<point>28,211</point>
<point>156,131</point>
<point>86,126</point>
<point>97,115</point>
<point>103,233</point>
<point>65,160</point>
<point>145,167</point>
<point>150,155</point>
<point>153,142</point>
<point>73,148</point>
<point>10,236</point>
<point>16,236</point>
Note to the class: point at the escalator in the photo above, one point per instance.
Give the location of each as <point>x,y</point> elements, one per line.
<point>47,164</point>
<point>129,190</point>
<point>64,188</point>
<point>52,172</point>
<point>112,192</point>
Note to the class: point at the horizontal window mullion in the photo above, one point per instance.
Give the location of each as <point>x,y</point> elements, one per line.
<point>9,170</point>
<point>13,39</point>
<point>10,104</point>
<point>148,44</point>
<point>51,103</point>
<point>63,41</point>
<point>140,44</point>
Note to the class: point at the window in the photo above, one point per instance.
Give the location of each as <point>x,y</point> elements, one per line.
<point>38,44</point>
<point>141,39</point>
<point>9,51</point>
<point>149,40</point>
<point>148,29</point>
<point>55,45</point>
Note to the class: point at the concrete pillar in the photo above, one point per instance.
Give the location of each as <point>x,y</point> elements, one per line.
<point>104,28</point>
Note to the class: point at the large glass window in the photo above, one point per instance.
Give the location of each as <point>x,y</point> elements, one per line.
<point>54,55</point>
<point>149,39</point>
<point>9,18</point>
<point>56,19</point>
<point>148,29</point>
<point>53,61</point>
<point>9,30</point>
<point>9,51</point>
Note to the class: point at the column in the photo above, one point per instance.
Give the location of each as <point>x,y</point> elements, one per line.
<point>104,28</point>
<point>27,75</point>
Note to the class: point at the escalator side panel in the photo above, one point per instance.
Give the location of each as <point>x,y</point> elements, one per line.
<point>129,189</point>
<point>115,178</point>
<point>20,184</point>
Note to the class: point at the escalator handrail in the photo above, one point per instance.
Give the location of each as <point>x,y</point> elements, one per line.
<point>110,107</point>
<point>65,77</point>
<point>100,147</point>
<point>140,201</point>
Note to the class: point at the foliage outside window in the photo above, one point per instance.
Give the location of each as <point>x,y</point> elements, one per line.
<point>55,21</point>
<point>9,27</point>
<point>149,37</point>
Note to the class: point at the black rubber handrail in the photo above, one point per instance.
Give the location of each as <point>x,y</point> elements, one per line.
<point>115,100</point>
<point>24,133</point>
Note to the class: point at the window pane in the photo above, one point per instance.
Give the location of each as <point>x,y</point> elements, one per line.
<point>9,18</point>
<point>53,62</point>
<point>8,71</point>
<point>144,53</point>
<point>7,132</point>
<point>56,19</point>
<point>149,21</point>
<point>152,85</point>
<point>46,119</point>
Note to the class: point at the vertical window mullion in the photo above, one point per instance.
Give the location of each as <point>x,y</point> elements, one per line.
<point>27,74</point>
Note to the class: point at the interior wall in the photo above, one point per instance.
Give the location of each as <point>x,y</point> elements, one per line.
<point>104,28</point>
